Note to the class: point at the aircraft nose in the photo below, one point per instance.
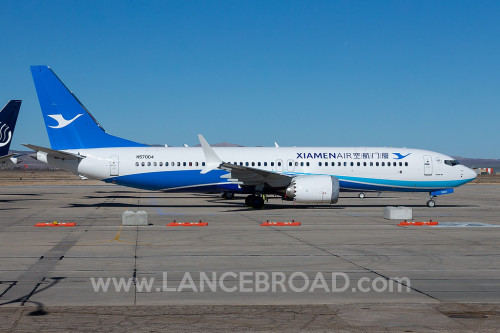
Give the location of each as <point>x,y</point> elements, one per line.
<point>470,174</point>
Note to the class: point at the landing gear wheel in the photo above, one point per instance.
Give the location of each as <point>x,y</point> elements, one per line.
<point>361,195</point>
<point>431,203</point>
<point>228,195</point>
<point>258,202</point>
<point>249,200</point>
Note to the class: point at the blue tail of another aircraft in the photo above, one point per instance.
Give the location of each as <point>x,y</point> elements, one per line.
<point>8,119</point>
<point>69,124</point>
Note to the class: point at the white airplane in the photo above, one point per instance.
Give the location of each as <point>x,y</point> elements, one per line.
<point>303,175</point>
<point>8,119</point>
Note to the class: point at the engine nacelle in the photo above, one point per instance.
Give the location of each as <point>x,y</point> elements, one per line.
<point>314,189</point>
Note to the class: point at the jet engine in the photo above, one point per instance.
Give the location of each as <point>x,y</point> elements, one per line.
<point>320,189</point>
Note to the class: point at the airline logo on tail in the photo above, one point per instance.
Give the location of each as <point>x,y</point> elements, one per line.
<point>61,122</point>
<point>5,135</point>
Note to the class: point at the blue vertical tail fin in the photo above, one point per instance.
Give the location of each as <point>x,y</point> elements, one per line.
<point>8,119</point>
<point>69,124</point>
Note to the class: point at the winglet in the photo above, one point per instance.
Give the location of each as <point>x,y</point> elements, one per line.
<point>212,160</point>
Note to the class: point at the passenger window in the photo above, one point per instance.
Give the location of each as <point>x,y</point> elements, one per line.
<point>406,163</point>
<point>319,163</point>
<point>258,163</point>
<point>301,163</point>
<point>161,163</point>
<point>345,163</point>
<point>371,163</point>
<point>241,163</point>
<point>143,164</point>
<point>190,163</point>
<point>272,163</point>
<point>364,163</point>
<point>166,163</point>
<point>149,163</point>
<point>265,163</point>
<point>352,163</point>
<point>326,163</point>
<point>400,163</point>
<point>202,163</point>
<point>377,164</point>
<point>136,163</point>
<point>383,163</point>
<point>296,163</point>
<point>154,164</point>
<point>394,163</point>
<point>279,163</point>
<point>359,163</point>
<point>196,163</point>
<point>290,163</point>
<point>247,164</point>
<point>307,163</point>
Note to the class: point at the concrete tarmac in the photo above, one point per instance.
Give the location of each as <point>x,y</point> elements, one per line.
<point>345,268</point>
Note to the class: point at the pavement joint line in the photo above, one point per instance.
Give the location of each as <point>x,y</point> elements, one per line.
<point>346,260</point>
<point>358,265</point>
<point>135,266</point>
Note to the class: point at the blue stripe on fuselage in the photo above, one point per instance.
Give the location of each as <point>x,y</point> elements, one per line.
<point>189,180</point>
<point>194,181</point>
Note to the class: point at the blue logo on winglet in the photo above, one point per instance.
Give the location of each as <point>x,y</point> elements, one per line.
<point>400,156</point>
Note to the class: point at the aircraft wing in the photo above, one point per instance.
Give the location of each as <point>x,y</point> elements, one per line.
<point>56,153</point>
<point>250,176</point>
<point>242,175</point>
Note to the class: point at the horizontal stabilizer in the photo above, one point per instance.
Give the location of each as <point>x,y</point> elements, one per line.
<point>6,157</point>
<point>55,153</point>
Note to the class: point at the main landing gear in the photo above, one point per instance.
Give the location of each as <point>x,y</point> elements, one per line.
<point>227,195</point>
<point>361,195</point>
<point>254,201</point>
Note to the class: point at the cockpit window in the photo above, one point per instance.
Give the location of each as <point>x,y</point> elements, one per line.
<point>451,162</point>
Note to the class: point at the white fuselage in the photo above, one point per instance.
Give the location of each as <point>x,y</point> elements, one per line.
<point>357,168</point>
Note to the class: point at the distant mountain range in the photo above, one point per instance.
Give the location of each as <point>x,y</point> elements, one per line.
<point>31,163</point>
<point>479,162</point>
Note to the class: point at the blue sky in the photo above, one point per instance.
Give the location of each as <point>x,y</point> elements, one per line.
<point>419,74</point>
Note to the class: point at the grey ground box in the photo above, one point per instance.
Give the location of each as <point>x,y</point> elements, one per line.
<point>398,213</point>
<point>131,218</point>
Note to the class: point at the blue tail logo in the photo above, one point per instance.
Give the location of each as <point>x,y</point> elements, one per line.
<point>8,119</point>
<point>60,108</point>
<point>400,156</point>
<point>5,135</point>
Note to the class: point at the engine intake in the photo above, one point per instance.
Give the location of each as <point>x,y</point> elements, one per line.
<point>314,189</point>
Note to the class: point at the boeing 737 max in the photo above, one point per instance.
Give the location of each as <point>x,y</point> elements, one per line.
<point>8,119</point>
<point>308,175</point>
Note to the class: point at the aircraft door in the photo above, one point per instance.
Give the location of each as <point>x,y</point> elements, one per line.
<point>279,165</point>
<point>114,165</point>
<point>427,165</point>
